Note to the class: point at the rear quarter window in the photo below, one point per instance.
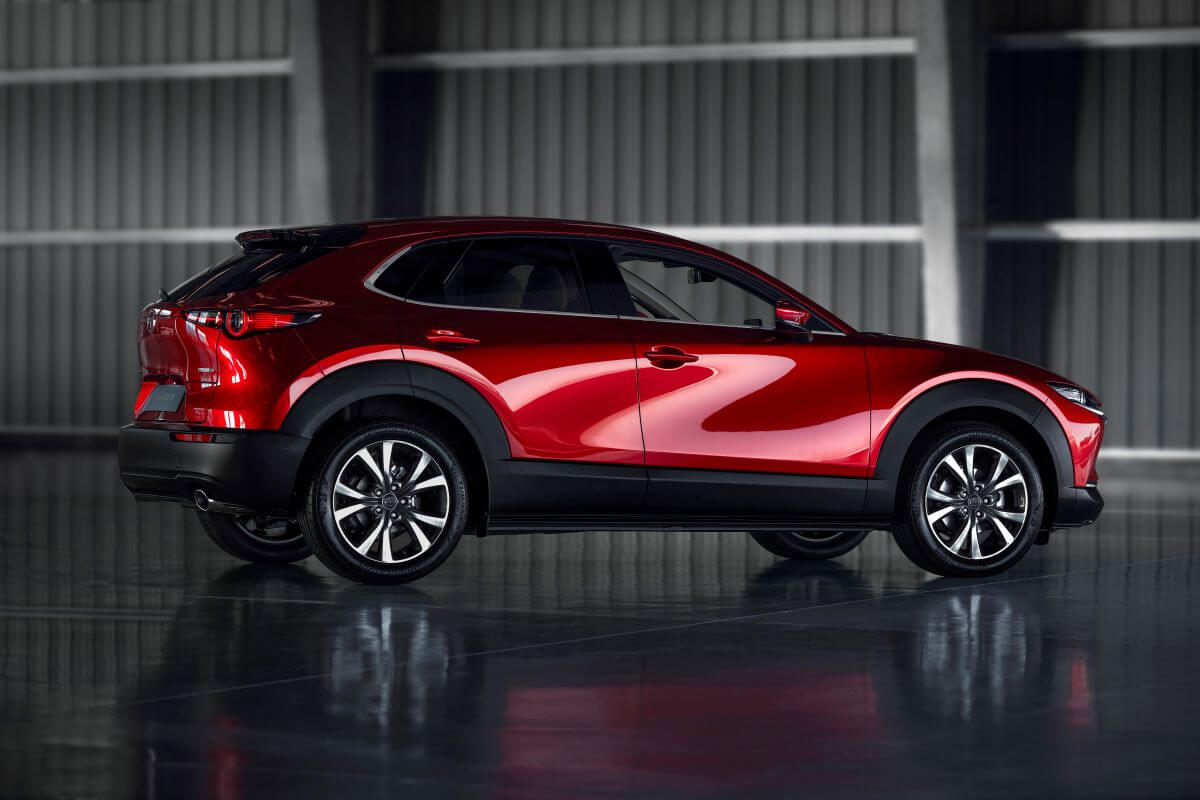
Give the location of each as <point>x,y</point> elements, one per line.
<point>403,273</point>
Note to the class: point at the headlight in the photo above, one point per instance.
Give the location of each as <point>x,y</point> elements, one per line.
<point>1078,396</point>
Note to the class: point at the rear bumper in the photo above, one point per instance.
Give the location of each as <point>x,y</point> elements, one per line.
<point>1078,506</point>
<point>253,469</point>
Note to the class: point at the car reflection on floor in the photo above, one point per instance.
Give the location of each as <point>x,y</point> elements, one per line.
<point>140,662</point>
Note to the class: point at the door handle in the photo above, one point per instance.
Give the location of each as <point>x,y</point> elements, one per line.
<point>667,356</point>
<point>449,339</point>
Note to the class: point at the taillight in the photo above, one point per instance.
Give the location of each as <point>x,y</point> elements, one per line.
<point>238,323</point>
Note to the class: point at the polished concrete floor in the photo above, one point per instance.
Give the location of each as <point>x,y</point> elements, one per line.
<point>140,661</point>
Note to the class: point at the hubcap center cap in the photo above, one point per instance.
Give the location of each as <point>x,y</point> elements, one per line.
<point>974,502</point>
<point>390,501</point>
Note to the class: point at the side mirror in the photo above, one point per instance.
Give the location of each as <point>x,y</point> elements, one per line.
<point>792,320</point>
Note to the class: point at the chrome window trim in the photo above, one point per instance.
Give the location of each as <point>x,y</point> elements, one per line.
<point>726,325</point>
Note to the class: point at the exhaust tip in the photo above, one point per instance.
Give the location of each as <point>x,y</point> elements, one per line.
<point>201,500</point>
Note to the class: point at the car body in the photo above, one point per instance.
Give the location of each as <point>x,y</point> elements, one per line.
<point>575,390</point>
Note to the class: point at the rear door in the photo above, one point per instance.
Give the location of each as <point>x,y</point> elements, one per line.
<point>515,317</point>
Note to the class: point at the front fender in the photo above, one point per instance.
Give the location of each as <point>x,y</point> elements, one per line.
<point>940,400</point>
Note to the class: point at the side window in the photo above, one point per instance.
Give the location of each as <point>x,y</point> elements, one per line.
<point>518,273</point>
<point>402,273</point>
<point>663,289</point>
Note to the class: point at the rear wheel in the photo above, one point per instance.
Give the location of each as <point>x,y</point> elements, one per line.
<point>256,539</point>
<point>810,544</point>
<point>388,505</point>
<point>973,505</point>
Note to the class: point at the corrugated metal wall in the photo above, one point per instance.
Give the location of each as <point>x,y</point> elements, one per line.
<point>1106,134</point>
<point>827,141</point>
<point>111,155</point>
<point>1109,134</point>
<point>50,33</point>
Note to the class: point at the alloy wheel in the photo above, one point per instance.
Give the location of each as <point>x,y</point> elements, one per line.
<point>390,501</point>
<point>976,502</point>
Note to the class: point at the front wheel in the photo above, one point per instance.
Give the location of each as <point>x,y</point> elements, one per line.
<point>809,545</point>
<point>255,539</point>
<point>973,504</point>
<point>388,505</point>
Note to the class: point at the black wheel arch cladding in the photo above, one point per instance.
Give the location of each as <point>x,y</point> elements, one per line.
<point>884,489</point>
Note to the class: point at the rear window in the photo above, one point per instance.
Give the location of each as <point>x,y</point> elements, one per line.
<point>245,271</point>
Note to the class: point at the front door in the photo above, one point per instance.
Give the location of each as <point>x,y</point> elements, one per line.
<point>733,410</point>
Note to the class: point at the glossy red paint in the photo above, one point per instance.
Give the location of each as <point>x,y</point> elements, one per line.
<point>581,387</point>
<point>753,400</point>
<point>903,369</point>
<point>563,384</point>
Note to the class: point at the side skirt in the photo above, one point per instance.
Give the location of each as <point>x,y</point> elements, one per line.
<point>564,523</point>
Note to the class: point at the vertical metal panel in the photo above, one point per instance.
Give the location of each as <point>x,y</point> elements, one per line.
<point>1100,135</point>
<point>1116,317</point>
<point>45,33</point>
<point>68,350</point>
<point>837,146</point>
<point>1045,15</point>
<point>418,25</point>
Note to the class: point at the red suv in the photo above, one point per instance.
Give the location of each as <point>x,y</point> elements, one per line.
<point>370,392</point>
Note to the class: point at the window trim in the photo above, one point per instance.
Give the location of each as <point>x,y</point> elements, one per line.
<point>586,283</point>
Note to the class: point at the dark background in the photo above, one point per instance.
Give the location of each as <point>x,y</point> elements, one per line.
<point>137,137</point>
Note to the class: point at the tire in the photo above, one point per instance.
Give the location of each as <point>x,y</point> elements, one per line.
<point>390,538</point>
<point>242,537</point>
<point>809,545</point>
<point>937,506</point>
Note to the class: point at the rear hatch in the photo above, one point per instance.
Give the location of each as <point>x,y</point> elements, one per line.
<point>178,346</point>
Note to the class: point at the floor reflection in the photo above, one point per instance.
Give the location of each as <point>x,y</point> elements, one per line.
<point>139,661</point>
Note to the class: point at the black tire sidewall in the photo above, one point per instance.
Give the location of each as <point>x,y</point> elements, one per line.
<point>322,533</point>
<point>226,533</point>
<point>791,544</point>
<point>936,558</point>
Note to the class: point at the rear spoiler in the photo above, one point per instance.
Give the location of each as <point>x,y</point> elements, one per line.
<point>295,238</point>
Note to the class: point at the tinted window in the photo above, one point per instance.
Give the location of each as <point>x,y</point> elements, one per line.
<point>244,271</point>
<point>530,274</point>
<point>400,276</point>
<point>662,289</point>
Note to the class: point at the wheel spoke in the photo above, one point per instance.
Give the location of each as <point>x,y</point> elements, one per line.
<point>419,535</point>
<point>419,469</point>
<point>962,535</point>
<point>975,539</point>
<point>1001,463</point>
<point>941,512</point>
<point>342,488</point>
<point>386,548</point>
<point>1008,515</point>
<point>365,456</point>
<point>1009,481</point>
<point>934,494</point>
<point>342,513</point>
<point>950,462</point>
<point>1003,530</point>
<point>969,454</point>
<point>370,540</point>
<point>428,483</point>
<point>387,462</point>
<point>437,522</point>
